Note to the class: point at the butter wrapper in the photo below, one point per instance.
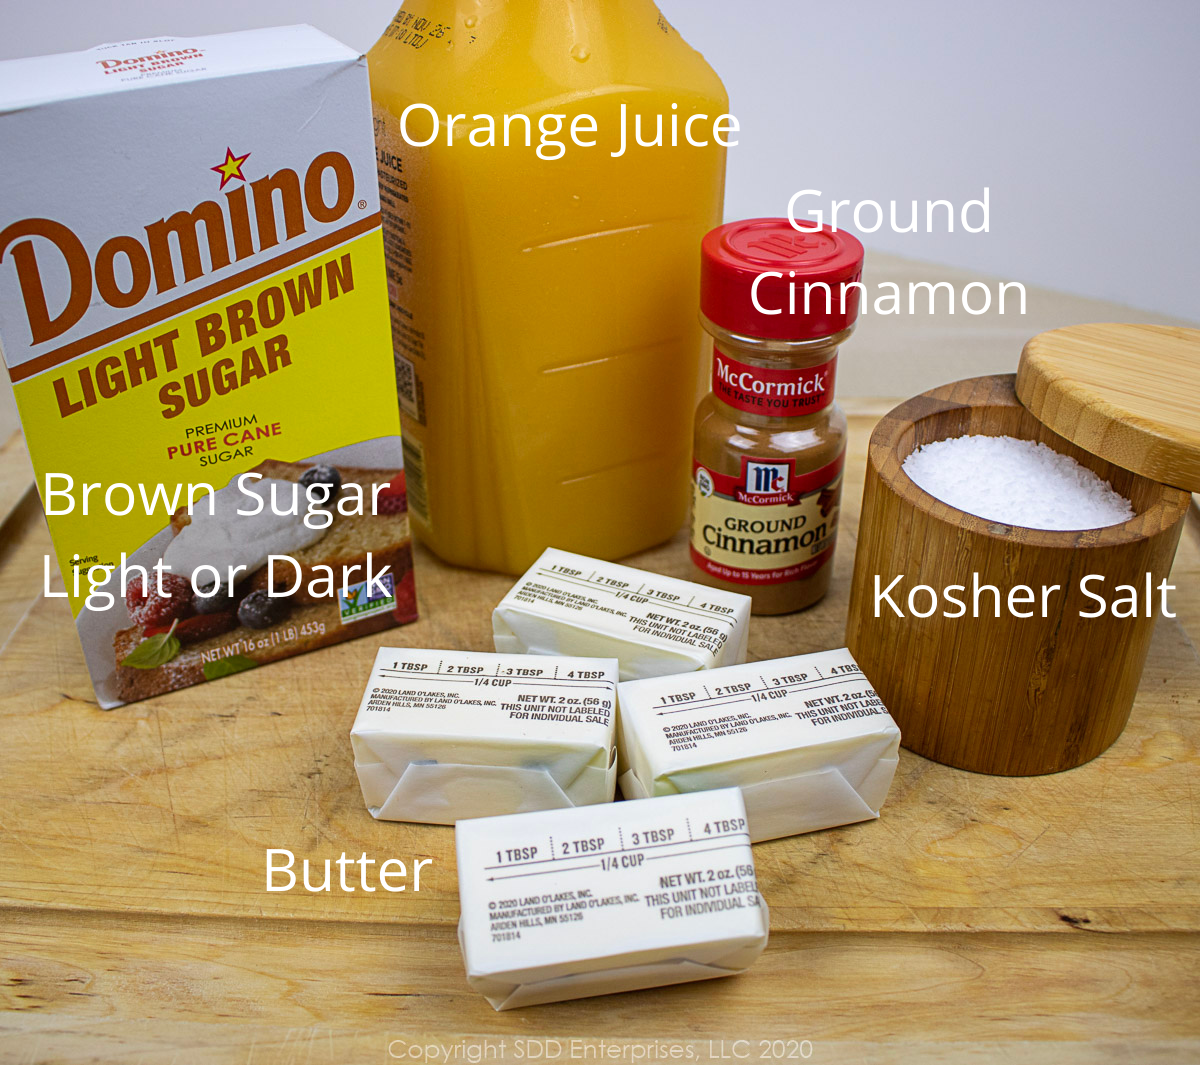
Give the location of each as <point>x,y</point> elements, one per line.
<point>807,739</point>
<point>574,903</point>
<point>445,735</point>
<point>654,626</point>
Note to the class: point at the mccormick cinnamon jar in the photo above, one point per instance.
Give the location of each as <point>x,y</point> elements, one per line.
<point>770,443</point>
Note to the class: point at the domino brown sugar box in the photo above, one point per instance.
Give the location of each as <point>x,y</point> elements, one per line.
<point>770,443</point>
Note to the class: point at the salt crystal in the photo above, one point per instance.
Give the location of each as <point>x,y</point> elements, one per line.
<point>1017,482</point>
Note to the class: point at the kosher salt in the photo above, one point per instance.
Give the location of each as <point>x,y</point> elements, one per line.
<point>1017,482</point>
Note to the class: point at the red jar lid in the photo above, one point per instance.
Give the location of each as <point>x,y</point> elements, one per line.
<point>732,256</point>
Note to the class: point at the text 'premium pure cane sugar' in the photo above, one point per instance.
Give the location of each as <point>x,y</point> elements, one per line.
<point>193,312</point>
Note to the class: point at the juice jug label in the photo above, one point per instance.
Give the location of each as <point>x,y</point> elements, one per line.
<point>414,469</point>
<point>783,393</point>
<point>767,524</point>
<point>399,169</point>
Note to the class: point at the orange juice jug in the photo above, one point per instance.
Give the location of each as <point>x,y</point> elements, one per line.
<point>543,301</point>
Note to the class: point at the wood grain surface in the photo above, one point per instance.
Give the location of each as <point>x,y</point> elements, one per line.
<point>1130,393</point>
<point>1026,695</point>
<point>1042,919</point>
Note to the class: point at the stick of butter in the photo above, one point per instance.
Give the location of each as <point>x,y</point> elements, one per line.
<point>443,735</point>
<point>574,903</point>
<point>573,605</point>
<point>807,739</point>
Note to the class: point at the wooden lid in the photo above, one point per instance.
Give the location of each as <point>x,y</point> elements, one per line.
<point>1128,393</point>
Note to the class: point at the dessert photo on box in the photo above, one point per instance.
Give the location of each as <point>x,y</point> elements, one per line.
<point>314,592</point>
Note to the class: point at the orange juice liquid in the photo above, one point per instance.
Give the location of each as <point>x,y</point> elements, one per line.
<point>544,310</point>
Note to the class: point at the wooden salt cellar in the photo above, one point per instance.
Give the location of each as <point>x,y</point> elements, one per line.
<point>1008,695</point>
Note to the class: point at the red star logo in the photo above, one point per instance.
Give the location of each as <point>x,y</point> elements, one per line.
<point>232,167</point>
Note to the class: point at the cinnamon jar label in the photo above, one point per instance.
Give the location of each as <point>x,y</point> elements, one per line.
<point>768,524</point>
<point>778,393</point>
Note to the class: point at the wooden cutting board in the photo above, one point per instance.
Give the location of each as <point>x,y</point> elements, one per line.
<point>169,805</point>
<point>136,926</point>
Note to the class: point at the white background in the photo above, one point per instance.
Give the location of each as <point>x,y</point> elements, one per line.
<point>1080,117</point>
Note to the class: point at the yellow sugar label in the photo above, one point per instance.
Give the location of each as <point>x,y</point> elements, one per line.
<point>282,369</point>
